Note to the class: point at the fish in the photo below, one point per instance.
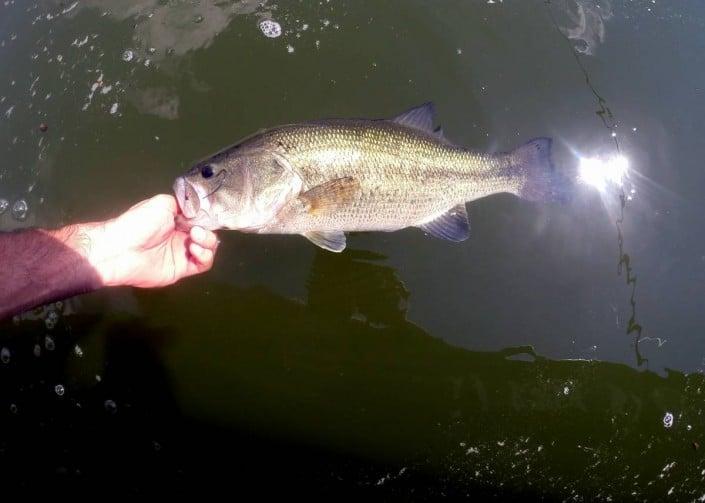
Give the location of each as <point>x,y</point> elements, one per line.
<point>323,178</point>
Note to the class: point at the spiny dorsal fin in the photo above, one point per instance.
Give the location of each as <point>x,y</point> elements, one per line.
<point>452,225</point>
<point>328,240</point>
<point>422,117</point>
<point>330,195</point>
<point>438,133</point>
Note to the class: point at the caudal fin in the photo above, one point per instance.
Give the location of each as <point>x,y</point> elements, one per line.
<point>532,163</point>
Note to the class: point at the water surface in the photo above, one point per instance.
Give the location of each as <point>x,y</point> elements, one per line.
<point>558,352</point>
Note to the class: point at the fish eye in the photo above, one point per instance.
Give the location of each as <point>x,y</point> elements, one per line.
<point>207,171</point>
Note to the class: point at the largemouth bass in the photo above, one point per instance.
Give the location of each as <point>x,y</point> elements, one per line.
<point>321,179</point>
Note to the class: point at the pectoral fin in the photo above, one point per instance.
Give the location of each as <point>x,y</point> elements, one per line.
<point>328,240</point>
<point>452,225</point>
<point>330,195</point>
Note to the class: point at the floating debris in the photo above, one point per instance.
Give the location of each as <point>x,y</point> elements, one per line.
<point>20,210</point>
<point>49,344</point>
<point>198,19</point>
<point>110,406</point>
<point>668,420</point>
<point>128,55</point>
<point>5,355</point>
<point>4,204</point>
<point>270,28</point>
<point>59,389</point>
<point>290,48</point>
<point>13,408</point>
<point>37,351</point>
<point>78,351</point>
<point>114,109</point>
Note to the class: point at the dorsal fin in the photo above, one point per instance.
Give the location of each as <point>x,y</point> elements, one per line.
<point>452,225</point>
<point>438,133</point>
<point>422,117</point>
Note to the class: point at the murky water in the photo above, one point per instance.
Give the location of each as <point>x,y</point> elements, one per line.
<point>557,353</point>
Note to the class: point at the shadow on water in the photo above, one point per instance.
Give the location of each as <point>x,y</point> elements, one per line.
<point>337,396</point>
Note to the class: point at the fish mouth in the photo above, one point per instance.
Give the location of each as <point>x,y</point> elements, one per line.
<point>188,197</point>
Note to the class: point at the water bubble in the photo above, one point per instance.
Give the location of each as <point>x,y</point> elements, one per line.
<point>198,19</point>
<point>157,446</point>
<point>13,408</point>
<point>4,204</point>
<point>20,209</point>
<point>37,350</point>
<point>5,355</point>
<point>78,351</point>
<point>51,320</point>
<point>110,406</point>
<point>128,55</point>
<point>59,389</point>
<point>270,28</point>
<point>114,109</point>
<point>668,420</point>
<point>49,343</point>
<point>290,48</point>
<point>581,46</point>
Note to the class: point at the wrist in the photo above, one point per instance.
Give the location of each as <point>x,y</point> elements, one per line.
<point>90,244</point>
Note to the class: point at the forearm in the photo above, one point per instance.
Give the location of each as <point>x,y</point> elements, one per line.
<point>39,266</point>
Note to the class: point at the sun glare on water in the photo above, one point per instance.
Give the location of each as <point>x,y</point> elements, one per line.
<point>600,173</point>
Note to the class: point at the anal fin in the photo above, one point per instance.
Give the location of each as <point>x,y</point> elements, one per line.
<point>328,240</point>
<point>453,225</point>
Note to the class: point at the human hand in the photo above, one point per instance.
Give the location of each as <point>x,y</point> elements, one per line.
<point>143,248</point>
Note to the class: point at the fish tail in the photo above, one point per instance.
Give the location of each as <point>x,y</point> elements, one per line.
<point>540,181</point>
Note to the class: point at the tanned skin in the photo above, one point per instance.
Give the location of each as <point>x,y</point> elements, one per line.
<point>141,248</point>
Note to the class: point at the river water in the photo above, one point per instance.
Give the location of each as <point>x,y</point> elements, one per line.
<point>558,353</point>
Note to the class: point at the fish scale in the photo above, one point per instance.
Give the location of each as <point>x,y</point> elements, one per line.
<point>405,175</point>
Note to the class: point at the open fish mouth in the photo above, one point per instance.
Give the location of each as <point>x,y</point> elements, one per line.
<point>188,197</point>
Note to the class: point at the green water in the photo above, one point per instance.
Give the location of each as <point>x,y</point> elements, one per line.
<point>541,358</point>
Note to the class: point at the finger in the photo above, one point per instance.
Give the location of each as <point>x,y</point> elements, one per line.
<point>165,202</point>
<point>204,238</point>
<point>202,256</point>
